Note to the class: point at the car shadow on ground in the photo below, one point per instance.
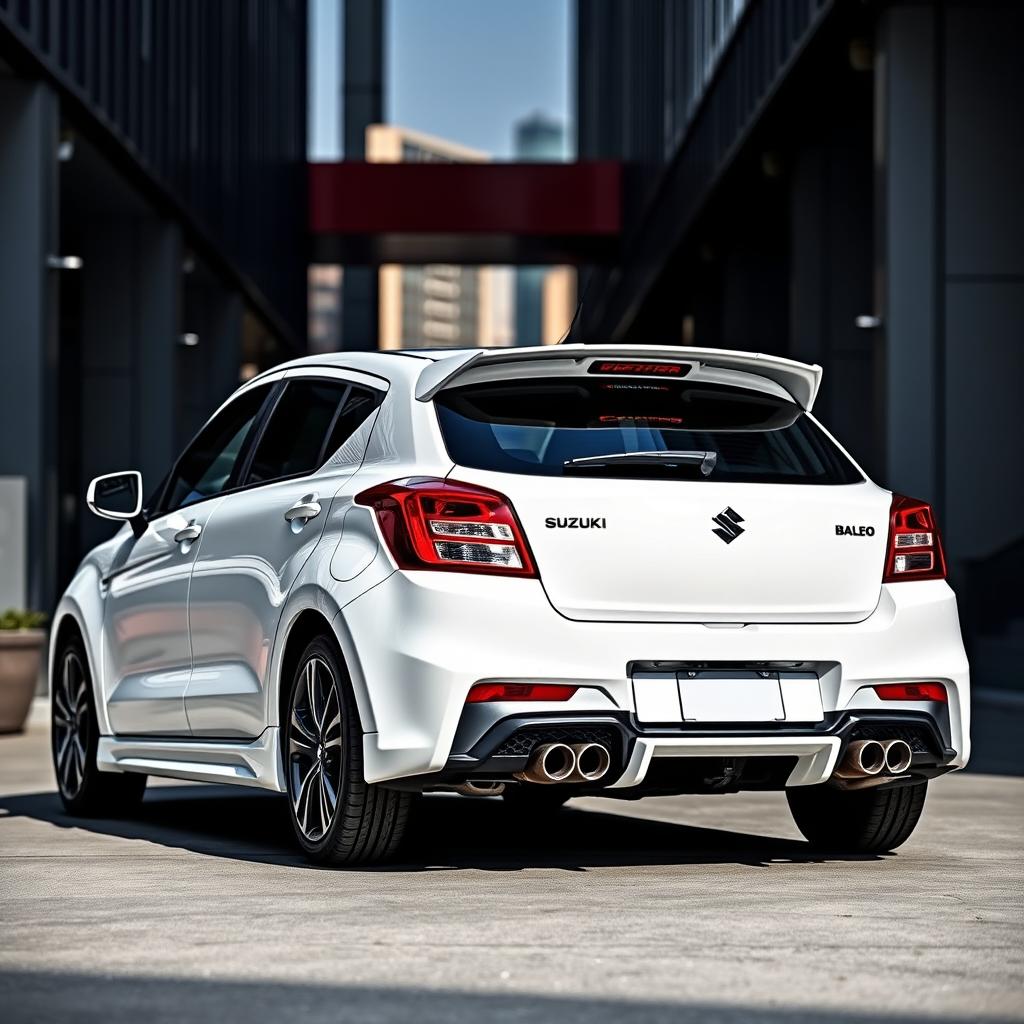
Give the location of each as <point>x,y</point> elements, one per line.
<point>448,832</point>
<point>113,999</point>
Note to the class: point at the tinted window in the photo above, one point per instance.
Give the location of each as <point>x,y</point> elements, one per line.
<point>208,465</point>
<point>358,405</point>
<point>311,421</point>
<point>537,426</point>
<point>298,427</point>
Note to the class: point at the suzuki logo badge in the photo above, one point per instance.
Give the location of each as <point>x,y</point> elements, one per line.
<point>728,525</point>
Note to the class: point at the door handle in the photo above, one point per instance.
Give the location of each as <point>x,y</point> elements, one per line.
<point>304,509</point>
<point>188,533</point>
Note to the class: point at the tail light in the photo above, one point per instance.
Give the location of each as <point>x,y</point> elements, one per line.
<point>441,524</point>
<point>483,693</point>
<point>911,691</point>
<point>914,551</point>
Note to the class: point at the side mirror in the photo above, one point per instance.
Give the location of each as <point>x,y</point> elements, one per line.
<point>118,496</point>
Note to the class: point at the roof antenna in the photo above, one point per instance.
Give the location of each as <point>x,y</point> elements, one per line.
<point>579,305</point>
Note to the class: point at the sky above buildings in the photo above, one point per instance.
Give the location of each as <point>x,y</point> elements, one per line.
<point>465,70</point>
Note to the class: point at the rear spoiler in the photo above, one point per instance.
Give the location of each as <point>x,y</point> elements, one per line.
<point>799,380</point>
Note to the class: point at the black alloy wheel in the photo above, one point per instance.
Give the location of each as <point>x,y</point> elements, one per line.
<point>339,818</point>
<point>74,735</point>
<point>315,750</point>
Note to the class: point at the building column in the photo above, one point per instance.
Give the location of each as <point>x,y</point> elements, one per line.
<point>209,371</point>
<point>158,260</point>
<point>831,261</point>
<point>908,246</point>
<point>363,106</point>
<point>29,126</point>
<point>130,330</point>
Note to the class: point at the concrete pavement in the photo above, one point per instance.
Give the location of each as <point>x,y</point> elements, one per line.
<point>673,909</point>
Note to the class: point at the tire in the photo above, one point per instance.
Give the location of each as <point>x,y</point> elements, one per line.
<point>84,790</point>
<point>323,753</point>
<point>872,820</point>
<point>535,800</point>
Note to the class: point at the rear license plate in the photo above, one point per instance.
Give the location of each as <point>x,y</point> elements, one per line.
<point>725,699</point>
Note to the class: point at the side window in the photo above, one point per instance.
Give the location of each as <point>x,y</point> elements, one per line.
<point>294,438</point>
<point>311,420</point>
<point>207,465</point>
<point>358,405</point>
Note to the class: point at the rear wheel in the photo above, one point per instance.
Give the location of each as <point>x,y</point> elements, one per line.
<point>857,821</point>
<point>339,818</point>
<point>74,733</point>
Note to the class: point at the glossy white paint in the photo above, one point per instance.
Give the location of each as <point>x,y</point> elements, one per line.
<point>147,656</point>
<point>253,549</point>
<point>249,560</point>
<point>458,629</point>
<point>800,381</point>
<point>816,756</point>
<point>657,560</point>
<point>254,763</point>
<point>186,641</point>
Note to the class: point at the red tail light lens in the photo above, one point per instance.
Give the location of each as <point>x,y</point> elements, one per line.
<point>484,693</point>
<point>441,524</point>
<point>915,546</point>
<point>911,691</point>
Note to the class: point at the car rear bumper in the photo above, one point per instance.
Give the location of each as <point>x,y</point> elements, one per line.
<point>417,642</point>
<point>799,755</point>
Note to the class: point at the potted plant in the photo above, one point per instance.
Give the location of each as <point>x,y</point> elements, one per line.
<point>22,638</point>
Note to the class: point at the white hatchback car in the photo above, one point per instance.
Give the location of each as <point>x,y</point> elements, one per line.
<point>537,572</point>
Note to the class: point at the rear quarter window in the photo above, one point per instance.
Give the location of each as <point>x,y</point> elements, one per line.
<point>537,426</point>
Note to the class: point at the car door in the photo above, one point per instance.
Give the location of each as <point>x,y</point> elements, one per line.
<point>147,658</point>
<point>257,541</point>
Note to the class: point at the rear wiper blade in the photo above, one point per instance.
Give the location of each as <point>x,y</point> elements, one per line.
<point>706,460</point>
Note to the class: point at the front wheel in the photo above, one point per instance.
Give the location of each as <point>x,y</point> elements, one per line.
<point>857,821</point>
<point>74,736</point>
<point>339,818</point>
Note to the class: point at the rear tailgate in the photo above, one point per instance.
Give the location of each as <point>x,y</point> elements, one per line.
<point>672,551</point>
<point>694,487</point>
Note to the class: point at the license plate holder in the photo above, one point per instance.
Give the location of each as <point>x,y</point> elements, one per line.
<point>721,697</point>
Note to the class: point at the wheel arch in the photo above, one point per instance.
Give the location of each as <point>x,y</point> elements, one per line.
<point>305,627</point>
<point>80,607</point>
<point>70,619</point>
<point>67,626</point>
<point>314,608</point>
<point>302,628</point>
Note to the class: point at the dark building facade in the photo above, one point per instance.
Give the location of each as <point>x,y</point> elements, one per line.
<point>837,181</point>
<point>152,236</point>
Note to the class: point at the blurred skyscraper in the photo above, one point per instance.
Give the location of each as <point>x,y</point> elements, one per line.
<point>539,137</point>
<point>325,284</point>
<point>438,305</point>
<point>543,294</point>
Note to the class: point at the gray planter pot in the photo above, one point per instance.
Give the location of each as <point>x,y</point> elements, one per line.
<point>20,651</point>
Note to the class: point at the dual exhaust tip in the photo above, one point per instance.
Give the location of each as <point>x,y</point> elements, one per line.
<point>871,762</point>
<point>865,763</point>
<point>565,762</point>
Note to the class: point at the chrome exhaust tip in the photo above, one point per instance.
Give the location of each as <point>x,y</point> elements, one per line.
<point>898,756</point>
<point>550,762</point>
<point>863,759</point>
<point>592,762</point>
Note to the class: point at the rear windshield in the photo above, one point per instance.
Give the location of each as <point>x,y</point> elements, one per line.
<point>544,426</point>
